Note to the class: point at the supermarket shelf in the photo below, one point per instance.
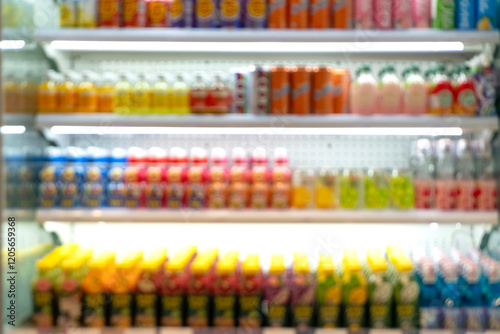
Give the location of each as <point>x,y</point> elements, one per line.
<point>107,121</point>
<point>18,119</point>
<point>265,216</point>
<point>265,35</point>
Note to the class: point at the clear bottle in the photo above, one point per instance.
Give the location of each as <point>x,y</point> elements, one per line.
<point>441,93</point>
<point>364,92</point>
<point>327,189</point>
<point>140,96</point>
<point>219,97</point>
<point>47,94</point>
<point>303,188</point>
<point>123,91</point>
<point>198,96</point>
<point>27,89</point>
<point>486,183</point>
<point>445,180</point>
<point>106,95</point>
<point>352,189</point>
<point>390,94</point>
<point>160,97</point>
<point>180,96</point>
<point>66,94</point>
<point>401,191</point>
<point>415,99</point>
<point>86,93</point>
<point>423,174</point>
<point>464,167</point>
<point>377,183</point>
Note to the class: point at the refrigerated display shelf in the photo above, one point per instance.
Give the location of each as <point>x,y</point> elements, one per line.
<point>265,216</point>
<point>264,35</point>
<point>107,121</point>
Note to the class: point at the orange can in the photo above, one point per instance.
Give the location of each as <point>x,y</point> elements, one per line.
<point>301,90</point>
<point>319,11</point>
<point>322,79</point>
<point>341,83</point>
<point>280,90</point>
<point>299,14</point>
<point>277,18</point>
<point>342,14</point>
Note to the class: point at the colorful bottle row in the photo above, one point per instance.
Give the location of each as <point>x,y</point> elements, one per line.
<point>202,288</point>
<point>281,14</point>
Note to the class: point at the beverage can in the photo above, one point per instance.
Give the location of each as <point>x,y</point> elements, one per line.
<point>205,15</point>
<point>299,14</point>
<point>322,79</point>
<point>341,84</point>
<point>134,13</point>
<point>443,14</point>
<point>68,14</point>
<point>255,13</point>
<point>487,15</point>
<point>261,88</point>
<point>278,14</point>
<point>421,13</point>
<point>319,14</point>
<point>342,14</point>
<point>176,13</point>
<point>157,13</point>
<point>109,13</point>
<point>402,14</point>
<point>87,14</point>
<point>382,14</point>
<point>239,95</point>
<point>280,90</point>
<point>363,11</point>
<point>301,90</point>
<point>466,18</point>
<point>229,13</point>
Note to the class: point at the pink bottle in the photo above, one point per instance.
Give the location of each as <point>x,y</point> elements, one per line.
<point>390,93</point>
<point>421,13</point>
<point>382,14</point>
<point>363,92</point>
<point>280,178</point>
<point>423,181</point>
<point>415,92</point>
<point>445,180</point>
<point>486,191</point>
<point>363,14</point>
<point>466,185</point>
<point>402,14</point>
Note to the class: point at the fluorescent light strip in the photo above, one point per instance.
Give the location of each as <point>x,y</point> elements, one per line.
<point>246,47</point>
<point>12,44</point>
<point>143,130</point>
<point>13,129</point>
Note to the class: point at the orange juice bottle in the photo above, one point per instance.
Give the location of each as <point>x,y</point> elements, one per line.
<point>47,94</point>
<point>27,91</point>
<point>225,289</point>
<point>86,95</point>
<point>96,283</point>
<point>260,189</point>
<point>128,271</point>
<point>106,95</point>
<point>123,91</point>
<point>66,95</point>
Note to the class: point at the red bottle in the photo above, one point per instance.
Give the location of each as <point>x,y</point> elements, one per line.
<point>238,191</point>
<point>217,177</point>
<point>198,96</point>
<point>219,97</point>
<point>464,94</point>
<point>176,175</point>
<point>154,188</point>
<point>440,93</point>
<point>260,189</point>
<point>196,188</point>
<point>134,177</point>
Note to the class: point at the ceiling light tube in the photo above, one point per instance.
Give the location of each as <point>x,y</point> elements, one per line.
<point>12,44</point>
<point>13,129</point>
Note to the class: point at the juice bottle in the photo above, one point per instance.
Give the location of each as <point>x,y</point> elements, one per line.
<point>27,92</point>
<point>464,94</point>
<point>196,188</point>
<point>280,177</point>
<point>71,177</point>
<point>464,175</point>
<point>106,95</point>
<point>174,286</point>
<point>377,184</point>
<point>94,178</point>
<point>199,288</point>
<point>225,290</point>
<point>380,290</point>
<point>446,189</point>
<point>259,190</point>
<point>486,15</point>
<point>176,176</point>
<point>154,188</point>
<point>238,191</point>
<point>429,294</point>
<point>277,293</point>
<point>406,289</point>
<point>140,97</point>
<point>327,189</point>
<point>401,192</point>
<point>486,192</point>
<point>443,14</point>
<point>134,178</point>
<point>219,97</point>
<point>69,289</point>
<point>328,293</point>
<point>160,97</point>
<point>115,191</point>
<point>123,91</point>
<point>303,289</point>
<point>95,285</point>
<point>415,93</point>
<point>303,188</point>
<point>363,92</point>
<point>68,14</point>
<point>48,192</point>
<point>354,291</point>
<point>180,96</point>
<point>218,175</point>
<point>390,94</point>
<point>423,174</point>
<point>87,13</point>
<point>198,96</point>
<point>86,95</point>
<point>147,289</point>
<point>47,94</point>
<point>441,93</point>
<point>352,189</point>
<point>250,289</point>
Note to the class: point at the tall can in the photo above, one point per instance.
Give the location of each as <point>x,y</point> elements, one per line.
<point>239,93</point>
<point>254,13</point>
<point>205,14</point>
<point>301,90</point>
<point>382,14</point>
<point>363,14</point>
<point>402,14</point>
<point>278,14</point>
<point>487,15</point>
<point>157,13</point>
<point>134,13</point>
<point>261,89</point>
<point>421,13</point>
<point>443,14</point>
<point>342,11</point>
<point>280,90</point>
<point>322,79</point>
<point>87,13</point>
<point>177,13</point>
<point>341,84</point>
<point>466,14</point>
<point>229,13</point>
<point>298,14</point>
<point>109,13</point>
<point>319,12</point>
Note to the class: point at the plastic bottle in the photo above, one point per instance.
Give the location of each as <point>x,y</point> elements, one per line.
<point>328,293</point>
<point>486,191</point>
<point>354,291</point>
<point>66,95</point>
<point>196,188</point>
<point>140,101</point>
<point>115,191</point>
<point>219,97</point>
<point>441,93</point>
<point>303,290</point>
<point>86,95</point>
<point>123,91</point>
<point>180,96</point>
<point>218,176</point>
<point>430,302</point>
<point>380,290</point>
<point>71,177</point>
<point>11,93</point>
<point>277,293</point>
<point>465,102</point>
<point>106,95</point>
<point>415,99</point>
<point>47,94</point>
<point>95,180</point>
<point>327,188</point>
<point>160,97</point>
<point>27,94</point>
<point>303,188</point>
<point>352,189</point>
<point>423,174</point>
<point>377,184</point>
<point>49,176</point>
<point>250,290</point>
<point>259,190</point>
<point>198,96</point>
<point>280,178</point>
<point>464,169</point>
<point>450,294</point>
<point>225,290</point>
<point>401,192</point>
<point>134,177</point>
<point>239,176</point>
<point>154,188</point>
<point>470,284</point>
<point>364,92</point>
<point>390,94</point>
<point>445,175</point>
<point>176,176</point>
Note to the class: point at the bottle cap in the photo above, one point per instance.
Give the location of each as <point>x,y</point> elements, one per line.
<point>239,156</point>
<point>197,155</point>
<point>280,155</point>
<point>259,156</point>
<point>177,155</point>
<point>218,155</point>
<point>136,155</point>
<point>157,155</point>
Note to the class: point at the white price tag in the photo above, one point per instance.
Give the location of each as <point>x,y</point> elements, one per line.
<point>385,331</point>
<point>436,331</point>
<point>269,330</point>
<point>176,330</point>
<point>141,330</point>
<point>331,331</point>
<point>21,331</point>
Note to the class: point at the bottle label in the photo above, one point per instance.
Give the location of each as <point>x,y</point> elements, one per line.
<point>145,314</point>
<point>217,196</point>
<point>466,102</point>
<point>328,315</point>
<point>224,311</point>
<point>171,311</point>
<point>249,315</point>
<point>177,13</point>
<point>429,317</point>
<point>465,194</point>
<point>197,311</point>
<point>121,310</point>
<point>424,193</point>
<point>256,9</point>
<point>196,196</point>
<point>445,194</point>
<point>238,196</point>
<point>94,310</point>
<point>486,194</point>
<point>175,195</point>
<point>43,301</point>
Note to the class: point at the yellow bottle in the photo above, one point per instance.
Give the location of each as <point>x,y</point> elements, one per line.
<point>161,96</point>
<point>180,97</point>
<point>67,14</point>
<point>27,91</point>
<point>66,95</point>
<point>47,94</point>
<point>86,95</point>
<point>141,96</point>
<point>123,91</point>
<point>106,96</point>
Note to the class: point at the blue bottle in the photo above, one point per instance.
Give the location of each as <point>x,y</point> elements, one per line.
<point>116,186</point>
<point>95,180</point>
<point>451,297</point>
<point>48,189</point>
<point>429,294</point>
<point>472,291</point>
<point>491,269</point>
<point>71,178</point>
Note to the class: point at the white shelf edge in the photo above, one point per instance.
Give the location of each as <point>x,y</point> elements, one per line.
<point>250,120</point>
<point>265,35</point>
<point>265,216</point>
